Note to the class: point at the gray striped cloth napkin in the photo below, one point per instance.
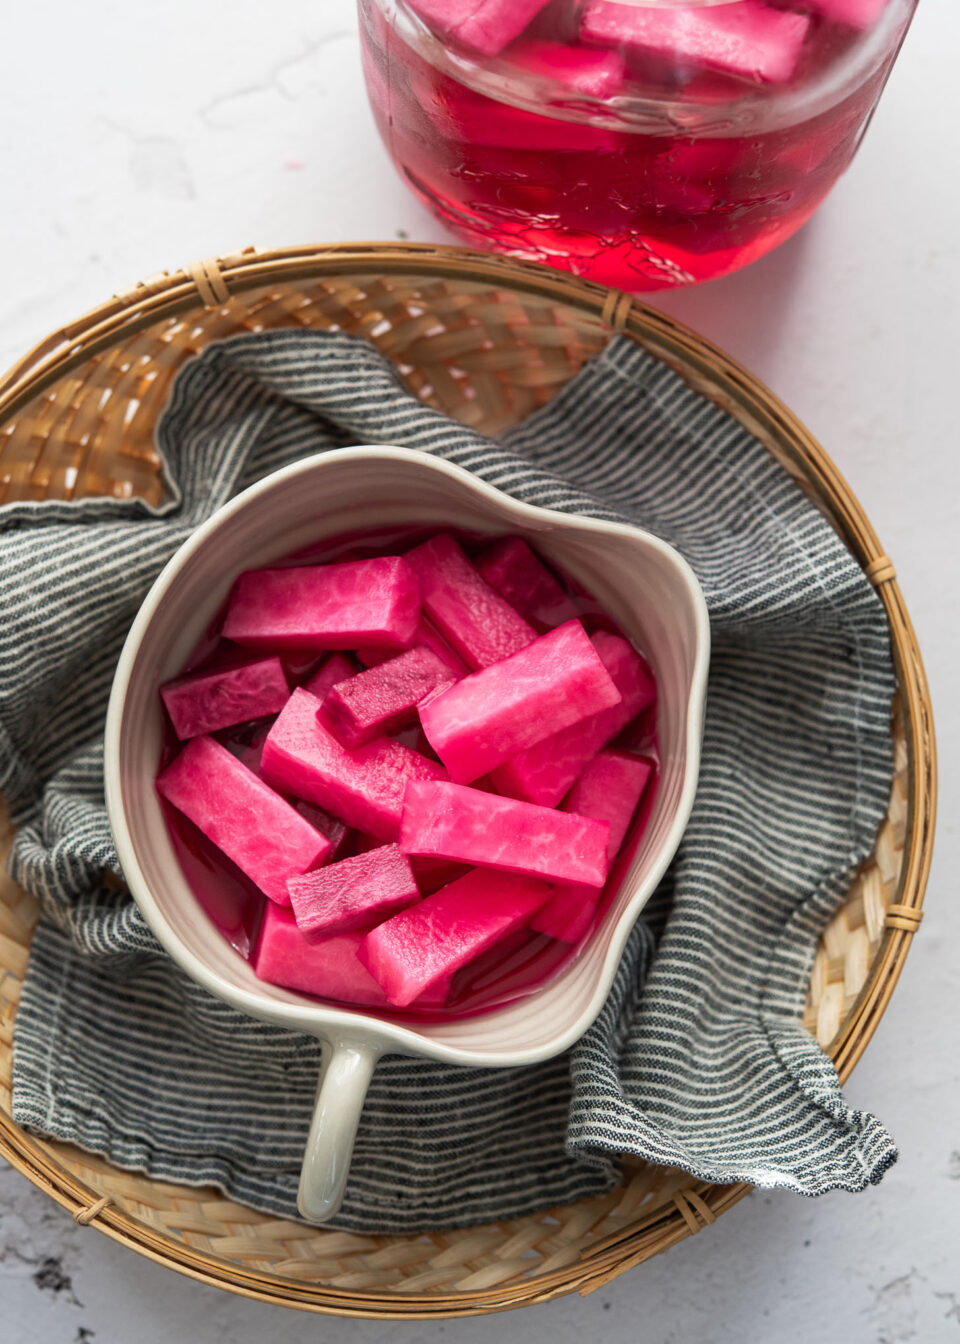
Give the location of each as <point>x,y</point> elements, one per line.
<point>698,1059</point>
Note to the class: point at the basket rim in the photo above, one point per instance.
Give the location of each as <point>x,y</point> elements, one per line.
<point>211,283</point>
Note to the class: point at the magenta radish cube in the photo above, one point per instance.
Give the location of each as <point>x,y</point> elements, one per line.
<point>597,74</point>
<point>746,38</point>
<point>610,790</point>
<point>364,787</point>
<point>486,26</point>
<point>427,943</point>
<point>203,702</point>
<point>479,625</point>
<point>853,13</point>
<point>543,774</point>
<point>355,893</point>
<point>259,831</point>
<point>449,821</point>
<point>512,569</point>
<point>338,667</point>
<point>330,969</point>
<point>384,698</point>
<point>428,637</point>
<point>491,716</point>
<point>325,606</point>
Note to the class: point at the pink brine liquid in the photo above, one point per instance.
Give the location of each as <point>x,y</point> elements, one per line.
<point>518,964</point>
<point>638,145</point>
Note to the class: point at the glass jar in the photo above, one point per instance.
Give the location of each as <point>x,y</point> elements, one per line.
<point>642,143</point>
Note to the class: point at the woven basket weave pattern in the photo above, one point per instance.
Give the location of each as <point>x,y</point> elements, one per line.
<point>487,342</point>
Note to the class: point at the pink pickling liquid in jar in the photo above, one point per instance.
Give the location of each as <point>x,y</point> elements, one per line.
<point>517,965</point>
<point>641,145</point>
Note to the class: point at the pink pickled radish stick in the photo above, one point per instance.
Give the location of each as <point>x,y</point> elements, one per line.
<point>449,821</point>
<point>426,635</point>
<point>854,13</point>
<point>355,893</point>
<point>363,787</point>
<point>545,772</point>
<point>480,626</point>
<point>427,943</point>
<point>609,790</point>
<point>330,969</point>
<point>259,831</point>
<point>491,716</point>
<point>203,702</point>
<point>511,568</point>
<point>325,606</point>
<point>746,38</point>
<point>598,74</point>
<point>486,26</point>
<point>377,702</point>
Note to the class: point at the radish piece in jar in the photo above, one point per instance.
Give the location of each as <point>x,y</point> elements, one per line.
<point>745,38</point>
<point>486,26</point>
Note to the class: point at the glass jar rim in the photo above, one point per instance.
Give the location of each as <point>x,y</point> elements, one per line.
<point>496,78</point>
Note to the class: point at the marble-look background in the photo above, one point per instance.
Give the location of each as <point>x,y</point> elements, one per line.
<point>139,137</point>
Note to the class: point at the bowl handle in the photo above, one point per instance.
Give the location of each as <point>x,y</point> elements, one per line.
<point>340,1096</point>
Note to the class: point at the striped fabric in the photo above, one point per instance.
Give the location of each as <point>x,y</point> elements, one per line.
<point>698,1058</point>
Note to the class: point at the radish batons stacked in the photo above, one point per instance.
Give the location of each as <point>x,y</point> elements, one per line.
<point>388,868</point>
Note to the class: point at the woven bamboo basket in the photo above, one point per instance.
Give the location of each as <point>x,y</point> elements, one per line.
<point>487,340</point>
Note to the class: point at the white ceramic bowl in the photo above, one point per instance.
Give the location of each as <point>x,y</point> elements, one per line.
<point>646,587</point>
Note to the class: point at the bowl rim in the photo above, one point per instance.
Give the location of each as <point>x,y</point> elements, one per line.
<point>332,1023</point>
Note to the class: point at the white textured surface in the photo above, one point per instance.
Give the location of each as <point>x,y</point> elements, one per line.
<point>138,137</point>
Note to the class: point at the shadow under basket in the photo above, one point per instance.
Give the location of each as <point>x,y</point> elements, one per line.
<point>487,340</point>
